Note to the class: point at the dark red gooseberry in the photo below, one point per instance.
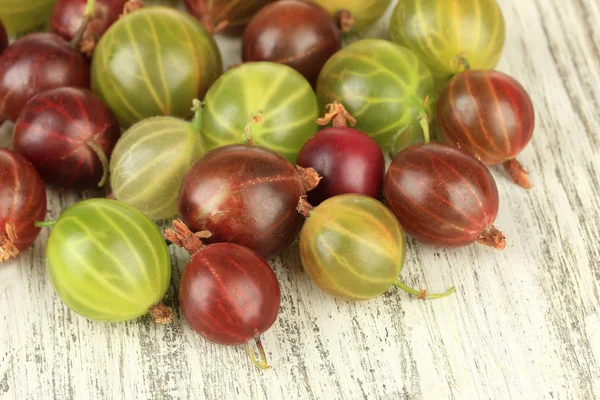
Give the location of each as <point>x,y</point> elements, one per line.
<point>230,16</point>
<point>22,202</point>
<point>444,196</point>
<point>36,63</point>
<point>228,293</point>
<point>68,134</point>
<point>297,33</point>
<point>489,114</point>
<point>3,38</point>
<point>245,194</point>
<point>68,16</point>
<point>347,159</point>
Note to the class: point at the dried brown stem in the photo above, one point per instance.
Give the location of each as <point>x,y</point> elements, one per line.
<point>255,118</point>
<point>161,314</point>
<point>345,20</point>
<point>492,237</point>
<point>8,249</point>
<point>517,173</point>
<point>304,207</point>
<point>131,6</point>
<point>182,236</point>
<point>338,114</point>
<point>309,176</point>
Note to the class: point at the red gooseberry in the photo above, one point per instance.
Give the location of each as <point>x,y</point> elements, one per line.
<point>297,33</point>
<point>35,63</point>
<point>245,194</point>
<point>489,114</point>
<point>348,160</point>
<point>68,134</point>
<point>444,196</point>
<point>228,293</point>
<point>22,202</point>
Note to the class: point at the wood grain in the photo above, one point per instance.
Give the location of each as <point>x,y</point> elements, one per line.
<point>524,323</point>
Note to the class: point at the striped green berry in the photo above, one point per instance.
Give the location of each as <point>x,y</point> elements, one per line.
<point>22,16</point>
<point>279,100</point>
<point>442,31</point>
<point>154,62</point>
<point>385,87</point>
<point>107,261</point>
<point>149,163</point>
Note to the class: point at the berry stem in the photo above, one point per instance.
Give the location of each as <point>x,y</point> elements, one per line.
<point>462,60</point>
<point>131,6</point>
<point>182,236</point>
<point>424,120</point>
<point>422,294</point>
<point>197,120</point>
<point>338,114</point>
<point>493,237</point>
<point>304,207</point>
<point>93,144</point>
<point>161,314</point>
<point>517,173</point>
<point>88,14</point>
<point>264,365</point>
<point>8,249</point>
<point>255,118</point>
<point>45,224</point>
<point>309,177</point>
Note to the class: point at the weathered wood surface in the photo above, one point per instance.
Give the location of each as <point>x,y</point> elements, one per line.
<point>524,323</point>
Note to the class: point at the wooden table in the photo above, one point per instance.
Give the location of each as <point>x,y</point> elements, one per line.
<point>524,323</point>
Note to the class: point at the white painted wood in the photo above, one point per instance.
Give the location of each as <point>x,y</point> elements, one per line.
<point>524,323</point>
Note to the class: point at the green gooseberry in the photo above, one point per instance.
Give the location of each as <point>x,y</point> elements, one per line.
<point>277,99</point>
<point>444,32</point>
<point>385,87</point>
<point>154,62</point>
<point>22,16</point>
<point>150,160</point>
<point>353,247</point>
<point>107,261</point>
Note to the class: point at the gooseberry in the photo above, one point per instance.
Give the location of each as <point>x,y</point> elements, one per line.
<point>22,202</point>
<point>160,150</point>
<point>228,293</point>
<point>229,15</point>
<point>473,29</point>
<point>489,114</point>
<point>154,61</point>
<point>245,194</point>
<point>69,15</point>
<point>108,262</point>
<point>384,86</point>
<point>348,160</point>
<point>296,33</point>
<point>353,247</point>
<point>444,196</point>
<point>68,134</point>
<point>35,63</point>
<point>365,12</point>
<point>279,101</point>
<point>23,16</point>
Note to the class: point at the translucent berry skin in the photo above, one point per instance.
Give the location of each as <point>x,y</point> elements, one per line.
<point>352,247</point>
<point>22,16</point>
<point>55,132</point>
<point>487,113</point>
<point>348,161</point>
<point>296,33</point>
<point>441,195</point>
<point>243,194</point>
<point>472,29</point>
<point>365,12</point>
<point>36,63</point>
<point>229,294</point>
<point>22,199</point>
<point>67,16</point>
